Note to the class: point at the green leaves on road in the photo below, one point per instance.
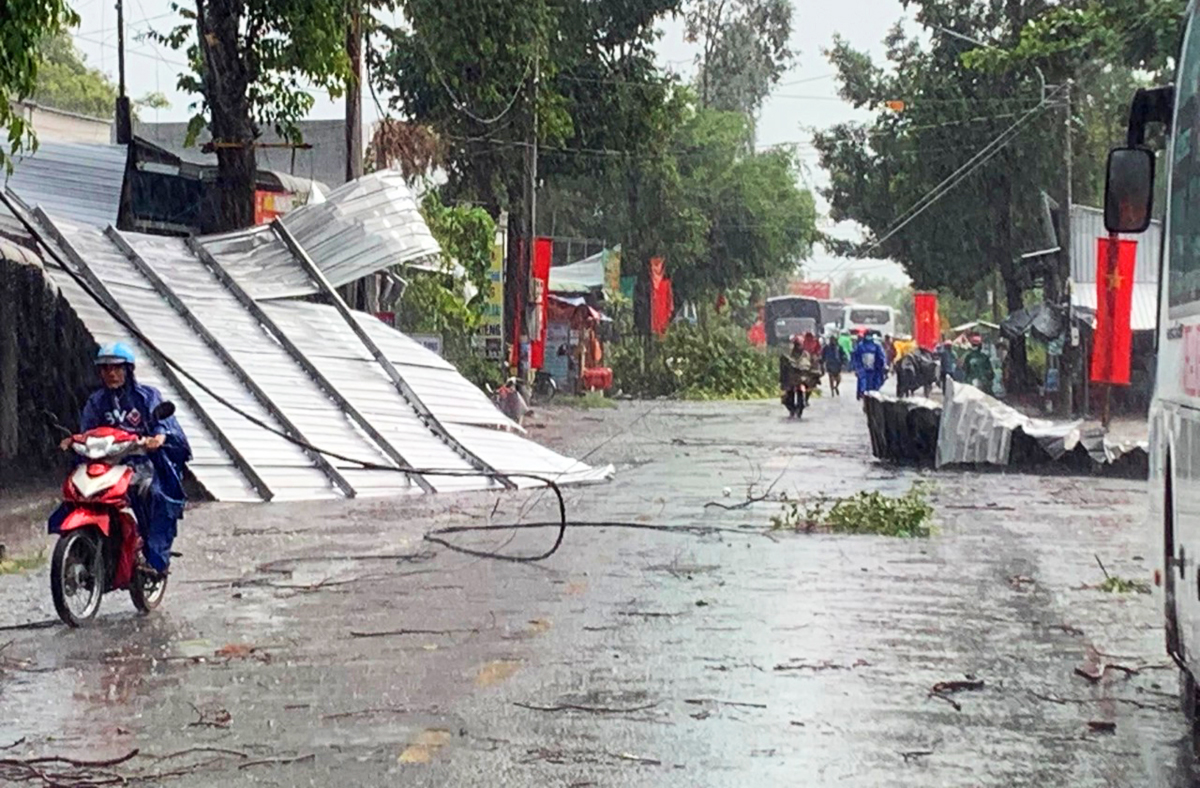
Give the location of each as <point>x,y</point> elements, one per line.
<point>906,516</point>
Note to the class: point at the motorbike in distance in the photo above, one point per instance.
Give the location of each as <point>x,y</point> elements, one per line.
<point>98,535</point>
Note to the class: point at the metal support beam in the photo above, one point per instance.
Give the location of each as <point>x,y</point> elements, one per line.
<point>101,292</point>
<point>273,332</point>
<point>406,392</point>
<point>164,290</point>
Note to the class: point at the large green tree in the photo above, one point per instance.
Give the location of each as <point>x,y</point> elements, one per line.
<point>65,81</point>
<point>250,61</point>
<point>25,24</point>
<point>743,50</point>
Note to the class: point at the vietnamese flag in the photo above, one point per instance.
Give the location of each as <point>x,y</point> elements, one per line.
<point>928,328</point>
<point>543,251</point>
<point>1113,338</point>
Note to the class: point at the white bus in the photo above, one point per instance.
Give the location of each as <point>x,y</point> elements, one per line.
<point>1175,410</point>
<point>871,316</point>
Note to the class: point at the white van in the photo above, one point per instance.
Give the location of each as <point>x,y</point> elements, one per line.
<point>871,316</point>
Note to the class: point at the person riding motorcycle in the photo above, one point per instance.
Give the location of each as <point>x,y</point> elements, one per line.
<point>977,366</point>
<point>157,482</point>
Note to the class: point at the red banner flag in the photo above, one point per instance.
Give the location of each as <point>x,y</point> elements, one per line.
<point>927,330</point>
<point>1115,259</point>
<point>543,250</point>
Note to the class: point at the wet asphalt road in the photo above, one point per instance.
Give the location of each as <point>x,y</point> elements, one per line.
<point>631,657</point>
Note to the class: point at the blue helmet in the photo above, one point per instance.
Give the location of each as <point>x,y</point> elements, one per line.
<point>114,353</point>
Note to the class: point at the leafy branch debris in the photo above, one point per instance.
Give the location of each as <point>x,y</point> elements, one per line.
<point>906,516</point>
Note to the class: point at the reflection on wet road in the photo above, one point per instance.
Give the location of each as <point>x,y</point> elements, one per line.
<point>327,644</point>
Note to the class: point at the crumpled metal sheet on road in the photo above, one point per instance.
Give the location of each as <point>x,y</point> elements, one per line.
<point>978,428</point>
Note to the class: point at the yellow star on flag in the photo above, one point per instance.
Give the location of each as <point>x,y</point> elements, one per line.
<point>1114,281</point>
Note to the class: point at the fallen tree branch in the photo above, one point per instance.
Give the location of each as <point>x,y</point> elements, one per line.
<point>339,715</point>
<point>189,750</point>
<point>592,709</point>
<point>393,632</point>
<point>910,754</point>
<point>702,701</point>
<point>1128,701</point>
<point>943,690</point>
<point>279,761</point>
<point>17,743</point>
<point>76,762</point>
<point>30,625</point>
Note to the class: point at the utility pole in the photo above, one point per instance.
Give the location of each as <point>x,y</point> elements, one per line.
<point>363,294</point>
<point>529,296</point>
<point>124,118</point>
<point>1066,376</point>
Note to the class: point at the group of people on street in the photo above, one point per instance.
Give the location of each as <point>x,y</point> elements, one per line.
<point>976,367</point>
<point>871,358</point>
<point>867,357</point>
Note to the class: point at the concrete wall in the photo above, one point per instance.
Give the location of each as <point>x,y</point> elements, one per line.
<point>45,364</point>
<point>55,125</point>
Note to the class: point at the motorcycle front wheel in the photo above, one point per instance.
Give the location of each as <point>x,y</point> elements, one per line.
<point>77,576</point>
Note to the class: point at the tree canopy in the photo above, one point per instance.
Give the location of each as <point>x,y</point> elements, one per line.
<point>250,62</point>
<point>26,24</point>
<point>626,153</point>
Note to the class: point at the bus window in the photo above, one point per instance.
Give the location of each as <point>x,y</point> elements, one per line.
<point>1185,180</point>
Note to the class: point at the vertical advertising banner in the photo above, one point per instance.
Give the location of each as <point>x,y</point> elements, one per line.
<point>543,250</point>
<point>491,325</point>
<point>662,301</point>
<point>1113,340</point>
<point>927,329</point>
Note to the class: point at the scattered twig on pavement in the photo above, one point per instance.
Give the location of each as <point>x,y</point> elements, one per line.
<point>592,709</point>
<point>277,565</point>
<point>394,632</point>
<point>217,718</point>
<point>1102,569</point>
<point>911,754</point>
<point>50,622</point>
<point>1102,726</point>
<point>189,750</point>
<point>648,614</point>
<point>944,689</point>
<point>76,762</point>
<point>341,715</point>
<point>702,701</point>
<point>1094,676</point>
<point>624,756</point>
<point>750,499</point>
<point>824,664</point>
<point>1128,701</point>
<point>987,507</point>
<point>17,743</point>
<point>278,761</point>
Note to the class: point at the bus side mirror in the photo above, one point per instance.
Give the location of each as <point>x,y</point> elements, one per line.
<point>1128,190</point>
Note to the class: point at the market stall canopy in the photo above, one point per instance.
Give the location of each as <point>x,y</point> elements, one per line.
<point>581,276</point>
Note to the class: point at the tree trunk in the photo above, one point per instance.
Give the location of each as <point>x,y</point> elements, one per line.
<point>227,77</point>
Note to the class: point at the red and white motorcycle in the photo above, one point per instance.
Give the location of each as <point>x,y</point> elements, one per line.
<point>98,539</point>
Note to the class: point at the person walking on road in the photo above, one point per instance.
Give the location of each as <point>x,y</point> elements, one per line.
<point>977,366</point>
<point>835,358</point>
<point>948,364</point>
<point>869,363</point>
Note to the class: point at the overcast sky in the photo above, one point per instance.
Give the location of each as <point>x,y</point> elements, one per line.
<point>806,97</point>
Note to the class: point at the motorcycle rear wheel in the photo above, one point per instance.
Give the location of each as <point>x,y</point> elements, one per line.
<point>146,594</point>
<point>77,565</point>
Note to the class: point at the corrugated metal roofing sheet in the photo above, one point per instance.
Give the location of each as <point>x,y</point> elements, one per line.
<point>364,226</point>
<point>1087,226</point>
<point>77,182</point>
<point>228,347</point>
<point>1144,314</point>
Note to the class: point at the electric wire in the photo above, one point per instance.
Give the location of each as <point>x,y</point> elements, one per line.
<point>21,216</point>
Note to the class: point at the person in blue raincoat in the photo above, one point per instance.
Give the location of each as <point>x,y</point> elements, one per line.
<point>869,363</point>
<point>158,475</point>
